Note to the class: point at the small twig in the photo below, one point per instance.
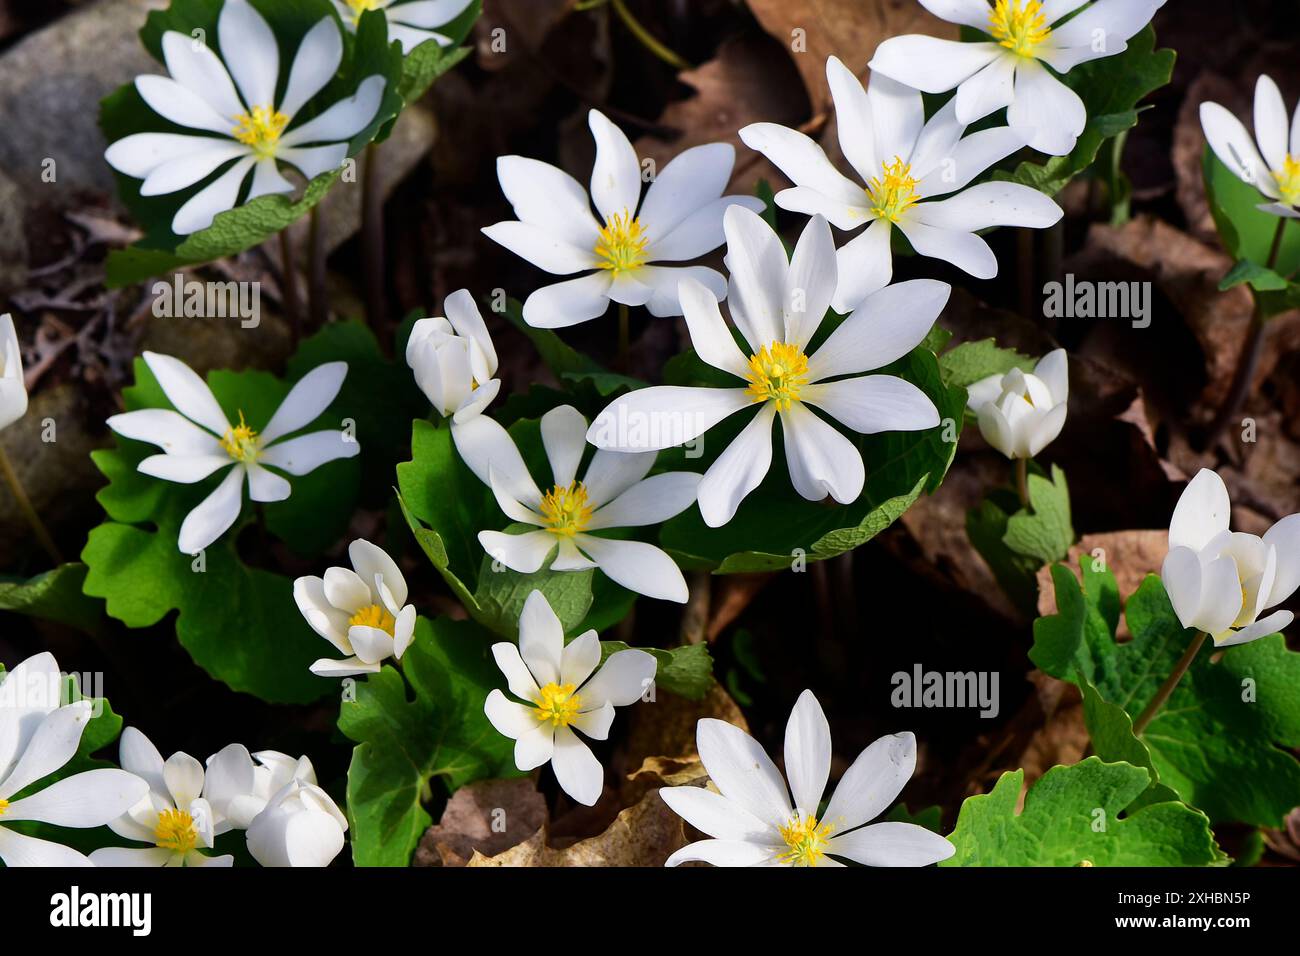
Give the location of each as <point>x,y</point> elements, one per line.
<point>647,39</point>
<point>695,616</point>
<point>1022,481</point>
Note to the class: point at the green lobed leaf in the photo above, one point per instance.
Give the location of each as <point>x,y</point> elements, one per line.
<point>1074,816</point>
<point>1045,532</point>
<point>53,595</point>
<point>1221,741</point>
<point>124,112</point>
<point>239,623</point>
<point>965,364</point>
<point>408,735</point>
<point>428,61</point>
<point>686,671</point>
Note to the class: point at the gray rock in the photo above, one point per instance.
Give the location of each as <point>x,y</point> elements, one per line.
<point>13,237</point>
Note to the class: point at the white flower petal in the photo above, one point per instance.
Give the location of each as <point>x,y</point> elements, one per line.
<point>717,816</point>
<point>802,161</point>
<point>518,678</point>
<point>700,232</point>
<point>1221,596</point>
<point>199,210</point>
<point>535,747</point>
<point>344,119</point>
<point>311,161</point>
<point>1107,24</point>
<point>874,403</point>
<point>489,451</point>
<point>541,638</point>
<point>314,65</point>
<point>1235,147</point>
<point>971,13</point>
<point>579,658</point>
<point>892,844</point>
<point>742,771</point>
<point>138,755</point>
<point>372,562</point>
<point>960,248</point>
<point>564,436</point>
<point>197,68</point>
<point>988,91</point>
<point>346,590</point>
<point>1272,124</point>
<point>933,65</point>
<point>1262,628</point>
<point>807,753</point>
<point>724,853</point>
<point>88,799</point>
<point>1285,538</point>
<point>613,472</point>
<point>821,460</point>
<point>665,281</point>
<point>811,282</point>
<point>543,247</point>
<point>184,778</point>
<point>988,204</point>
<point>853,119</point>
<point>872,782</point>
<point>427,13</point>
<point>511,719</point>
<point>525,553</point>
<point>622,680</point>
<point>250,52</point>
<point>898,115</point>
<point>663,416</point>
<point>187,392</point>
<point>1203,511</point>
<point>864,265</point>
<point>738,470</point>
<point>970,157</point>
<point>616,175</point>
<point>183,469</point>
<point>710,337</point>
<point>118,856</point>
<point>758,266</point>
<point>1049,113</point>
<point>654,500</point>
<point>569,303</point>
<point>214,514</point>
<point>306,453</point>
<point>577,770</point>
<point>636,565</point>
<point>17,850</point>
<point>52,745</point>
<point>1181,574</point>
<point>884,328</point>
<point>692,180</point>
<point>266,486</point>
<point>595,723</point>
<point>182,106</point>
<point>185,171</point>
<point>373,645</point>
<point>346,667</point>
<point>840,214</point>
<point>140,153</point>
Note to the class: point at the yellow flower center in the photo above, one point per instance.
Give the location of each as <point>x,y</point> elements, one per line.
<point>241,442</point>
<point>621,244</point>
<point>4,805</point>
<point>1288,180</point>
<point>260,129</point>
<point>806,840</point>
<point>359,7</point>
<point>776,374</point>
<point>175,831</point>
<point>558,704</point>
<point>893,192</point>
<point>1019,25</point>
<point>374,616</point>
<point>566,510</point>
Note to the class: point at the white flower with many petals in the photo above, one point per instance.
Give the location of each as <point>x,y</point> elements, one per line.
<point>904,166</point>
<point>198,440</point>
<point>1221,581</point>
<point>174,817</point>
<point>680,219</point>
<point>753,822</point>
<point>410,22</point>
<point>244,127</point>
<point>362,612</point>
<point>240,784</point>
<point>300,826</point>
<point>454,359</point>
<point>13,387</point>
<point>778,306</point>
<point>1010,69</point>
<point>553,678</point>
<point>612,493</point>
<point>1021,413</point>
<point>38,736</point>
<point>1273,168</point>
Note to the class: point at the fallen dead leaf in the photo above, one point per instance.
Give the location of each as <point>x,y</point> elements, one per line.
<point>471,819</point>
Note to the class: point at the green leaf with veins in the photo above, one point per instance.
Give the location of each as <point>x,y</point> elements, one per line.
<point>408,735</point>
<point>239,623</point>
<point>686,671</point>
<point>1074,816</point>
<point>428,61</point>
<point>53,595</point>
<point>1222,740</point>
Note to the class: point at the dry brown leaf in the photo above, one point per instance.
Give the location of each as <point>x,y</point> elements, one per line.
<point>1130,556</point>
<point>667,726</point>
<point>645,834</point>
<point>849,29</point>
<point>470,820</point>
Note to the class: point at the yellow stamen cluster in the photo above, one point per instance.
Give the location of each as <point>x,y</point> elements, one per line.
<point>359,7</point>
<point>806,840</point>
<point>776,374</point>
<point>1288,181</point>
<point>374,615</point>
<point>893,192</point>
<point>260,129</point>
<point>622,243</point>
<point>558,704</point>
<point>175,831</point>
<point>4,805</point>
<point>241,442</point>
<point>566,509</point>
<point>1019,25</point>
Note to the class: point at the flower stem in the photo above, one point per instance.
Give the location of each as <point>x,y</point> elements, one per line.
<point>1022,481</point>
<point>316,307</point>
<point>289,288</point>
<point>1251,350</point>
<point>25,506</point>
<point>624,338</point>
<point>695,616</point>
<point>372,241</point>
<point>1170,683</point>
<point>647,39</point>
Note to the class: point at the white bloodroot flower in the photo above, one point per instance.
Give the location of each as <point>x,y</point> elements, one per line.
<point>612,493</point>
<point>553,678</point>
<point>903,166</point>
<point>1021,413</point>
<point>778,306</point>
<point>1273,168</point>
<point>197,440</point>
<point>411,22</point>
<point>1010,69</point>
<point>1221,581</point>
<point>240,784</point>
<point>174,817</point>
<point>680,219</point>
<point>751,818</point>
<point>300,826</point>
<point>13,387</point>
<point>454,360</point>
<point>241,120</point>
<point>362,612</point>
<point>38,736</point>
